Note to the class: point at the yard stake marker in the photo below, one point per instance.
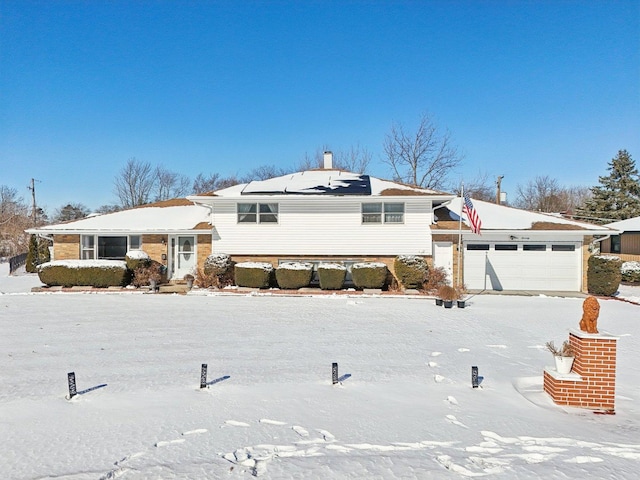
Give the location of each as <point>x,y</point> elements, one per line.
<point>474,377</point>
<point>203,376</point>
<point>71,379</point>
<point>334,373</point>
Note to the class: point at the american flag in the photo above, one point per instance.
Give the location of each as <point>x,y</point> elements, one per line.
<point>474,220</point>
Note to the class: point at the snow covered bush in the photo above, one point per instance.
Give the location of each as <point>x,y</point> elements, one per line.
<point>137,258</point>
<point>369,275</point>
<point>294,275</point>
<point>217,271</point>
<point>411,270</point>
<point>253,274</point>
<point>217,264</point>
<point>95,273</point>
<point>630,272</point>
<point>331,276</point>
<point>603,274</point>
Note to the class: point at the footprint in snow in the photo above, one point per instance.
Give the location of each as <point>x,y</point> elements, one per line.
<point>271,422</point>
<point>300,431</point>
<point>235,423</point>
<point>452,400</point>
<point>196,431</point>
<point>432,364</point>
<point>452,419</point>
<point>463,349</point>
<point>169,442</point>
<point>438,378</point>
<point>436,354</point>
<point>328,436</point>
<point>497,346</point>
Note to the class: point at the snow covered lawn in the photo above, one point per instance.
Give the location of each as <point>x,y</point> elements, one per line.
<point>407,410</point>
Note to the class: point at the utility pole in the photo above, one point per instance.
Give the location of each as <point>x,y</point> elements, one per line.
<point>498,193</point>
<point>34,207</point>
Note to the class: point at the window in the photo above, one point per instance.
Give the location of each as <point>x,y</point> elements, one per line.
<point>108,248</point>
<point>268,212</point>
<point>503,246</point>
<point>563,248</point>
<point>257,213</point>
<point>615,243</point>
<point>87,248</point>
<point>373,212</point>
<point>394,213</point>
<point>477,246</point>
<point>534,248</point>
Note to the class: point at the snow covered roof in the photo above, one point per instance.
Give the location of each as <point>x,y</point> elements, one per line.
<point>628,225</point>
<point>171,216</point>
<point>323,182</point>
<point>501,217</point>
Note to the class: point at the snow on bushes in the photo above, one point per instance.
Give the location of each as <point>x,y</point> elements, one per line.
<point>294,275</point>
<point>630,272</point>
<point>411,270</point>
<point>217,271</point>
<point>92,273</point>
<point>253,274</point>
<point>369,275</point>
<point>331,276</point>
<point>603,274</point>
<point>137,258</point>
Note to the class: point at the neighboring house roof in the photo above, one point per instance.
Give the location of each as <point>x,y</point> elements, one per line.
<point>628,225</point>
<point>502,218</point>
<point>178,215</point>
<point>322,182</point>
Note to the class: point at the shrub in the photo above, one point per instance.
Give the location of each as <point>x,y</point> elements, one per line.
<point>253,274</point>
<point>146,272</point>
<point>37,254</point>
<point>137,258</point>
<point>369,275</point>
<point>218,264</point>
<point>95,273</point>
<point>603,274</point>
<point>630,272</point>
<point>436,278</point>
<point>411,270</point>
<point>447,293</point>
<point>294,275</point>
<point>331,276</point>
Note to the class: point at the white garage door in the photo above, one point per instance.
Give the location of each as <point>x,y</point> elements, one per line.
<point>523,266</point>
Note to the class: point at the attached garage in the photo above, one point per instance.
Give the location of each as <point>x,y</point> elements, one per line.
<point>524,265</point>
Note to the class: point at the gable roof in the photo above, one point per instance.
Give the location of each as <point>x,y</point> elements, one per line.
<point>628,225</point>
<point>178,215</point>
<point>321,182</point>
<point>496,217</point>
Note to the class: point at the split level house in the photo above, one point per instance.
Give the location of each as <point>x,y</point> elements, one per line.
<point>338,216</point>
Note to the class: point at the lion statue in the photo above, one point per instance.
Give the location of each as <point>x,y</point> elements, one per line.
<point>590,312</point>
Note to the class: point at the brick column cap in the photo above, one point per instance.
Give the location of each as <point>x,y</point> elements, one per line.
<point>597,336</point>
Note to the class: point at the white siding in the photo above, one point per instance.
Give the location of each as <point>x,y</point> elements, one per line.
<point>324,226</point>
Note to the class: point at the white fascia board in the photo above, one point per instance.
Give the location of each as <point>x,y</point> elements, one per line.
<point>332,198</point>
<point>524,233</point>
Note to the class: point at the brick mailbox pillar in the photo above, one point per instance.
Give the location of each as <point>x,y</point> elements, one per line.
<point>592,381</point>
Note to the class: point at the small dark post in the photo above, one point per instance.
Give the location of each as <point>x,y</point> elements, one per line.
<point>334,373</point>
<point>474,377</point>
<point>203,376</point>
<point>71,378</point>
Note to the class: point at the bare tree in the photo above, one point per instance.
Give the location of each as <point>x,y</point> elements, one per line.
<point>212,182</point>
<point>108,209</point>
<point>424,158</point>
<point>14,219</point>
<point>265,172</point>
<point>134,183</point>
<point>169,184</point>
<point>479,188</point>
<point>545,194</point>
<point>356,159</point>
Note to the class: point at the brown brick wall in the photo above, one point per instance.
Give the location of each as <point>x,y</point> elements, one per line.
<point>204,248</point>
<point>66,247</point>
<point>596,364</point>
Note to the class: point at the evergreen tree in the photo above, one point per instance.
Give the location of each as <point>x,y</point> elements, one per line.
<point>618,195</point>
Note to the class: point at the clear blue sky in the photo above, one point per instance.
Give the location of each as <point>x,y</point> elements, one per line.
<point>526,88</point>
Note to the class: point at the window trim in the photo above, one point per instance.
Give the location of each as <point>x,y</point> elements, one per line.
<point>380,215</point>
<point>258,214</point>
<point>94,249</point>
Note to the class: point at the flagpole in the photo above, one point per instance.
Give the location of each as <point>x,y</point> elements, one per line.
<point>460,233</point>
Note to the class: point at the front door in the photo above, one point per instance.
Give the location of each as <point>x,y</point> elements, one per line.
<point>443,257</point>
<point>184,256</point>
